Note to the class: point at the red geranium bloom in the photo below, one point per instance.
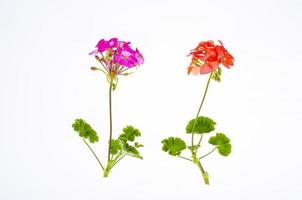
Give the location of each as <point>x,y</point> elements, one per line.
<point>207,57</point>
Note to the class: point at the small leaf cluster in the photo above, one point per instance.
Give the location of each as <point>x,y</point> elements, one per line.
<point>200,125</point>
<point>126,143</point>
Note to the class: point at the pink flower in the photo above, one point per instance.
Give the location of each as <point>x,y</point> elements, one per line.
<point>126,57</point>
<point>103,45</point>
<point>118,55</point>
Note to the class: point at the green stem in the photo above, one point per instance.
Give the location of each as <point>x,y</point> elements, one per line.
<point>94,154</point>
<point>110,117</point>
<point>197,115</point>
<point>200,139</point>
<point>205,174</point>
<point>111,163</point>
<point>120,158</point>
<point>108,168</point>
<point>205,155</point>
<point>116,157</point>
<point>185,158</point>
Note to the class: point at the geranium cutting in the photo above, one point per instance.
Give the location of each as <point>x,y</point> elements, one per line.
<point>207,58</point>
<point>115,58</point>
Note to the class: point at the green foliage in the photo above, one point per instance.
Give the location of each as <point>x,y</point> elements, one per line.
<point>216,75</point>
<point>129,133</point>
<point>138,145</point>
<point>126,142</point>
<point>173,145</point>
<point>203,125</point>
<point>85,130</point>
<point>222,142</point>
<point>115,147</point>
<point>131,150</point>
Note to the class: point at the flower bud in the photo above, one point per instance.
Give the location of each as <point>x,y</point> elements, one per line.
<point>94,68</point>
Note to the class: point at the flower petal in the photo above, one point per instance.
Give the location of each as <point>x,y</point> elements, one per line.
<point>139,57</point>
<point>94,52</point>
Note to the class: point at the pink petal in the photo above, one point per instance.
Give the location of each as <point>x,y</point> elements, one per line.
<point>196,70</point>
<point>94,52</point>
<point>139,57</point>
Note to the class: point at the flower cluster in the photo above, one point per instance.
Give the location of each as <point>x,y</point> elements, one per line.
<point>116,56</point>
<point>207,57</point>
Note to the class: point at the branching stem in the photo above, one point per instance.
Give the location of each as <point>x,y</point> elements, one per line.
<point>185,158</point>
<point>116,161</point>
<point>94,154</point>
<point>205,155</point>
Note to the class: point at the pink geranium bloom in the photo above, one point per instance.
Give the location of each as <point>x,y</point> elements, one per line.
<point>119,55</point>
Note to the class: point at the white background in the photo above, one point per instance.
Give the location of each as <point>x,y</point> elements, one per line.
<point>46,83</point>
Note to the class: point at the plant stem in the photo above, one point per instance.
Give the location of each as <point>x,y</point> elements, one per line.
<point>117,157</point>
<point>201,135</point>
<point>197,115</point>
<point>204,173</point>
<point>208,153</point>
<point>112,163</point>
<point>120,158</point>
<point>94,154</point>
<point>185,158</point>
<point>110,117</point>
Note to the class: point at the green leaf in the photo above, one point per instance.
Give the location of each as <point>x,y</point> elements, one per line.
<point>222,142</point>
<point>203,125</point>
<point>127,141</point>
<point>85,130</point>
<point>115,147</point>
<point>173,145</point>
<point>216,75</point>
<point>129,133</point>
<point>138,145</point>
<point>130,150</point>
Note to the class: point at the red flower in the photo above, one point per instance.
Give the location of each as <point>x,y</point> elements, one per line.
<point>207,57</point>
<point>226,58</point>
